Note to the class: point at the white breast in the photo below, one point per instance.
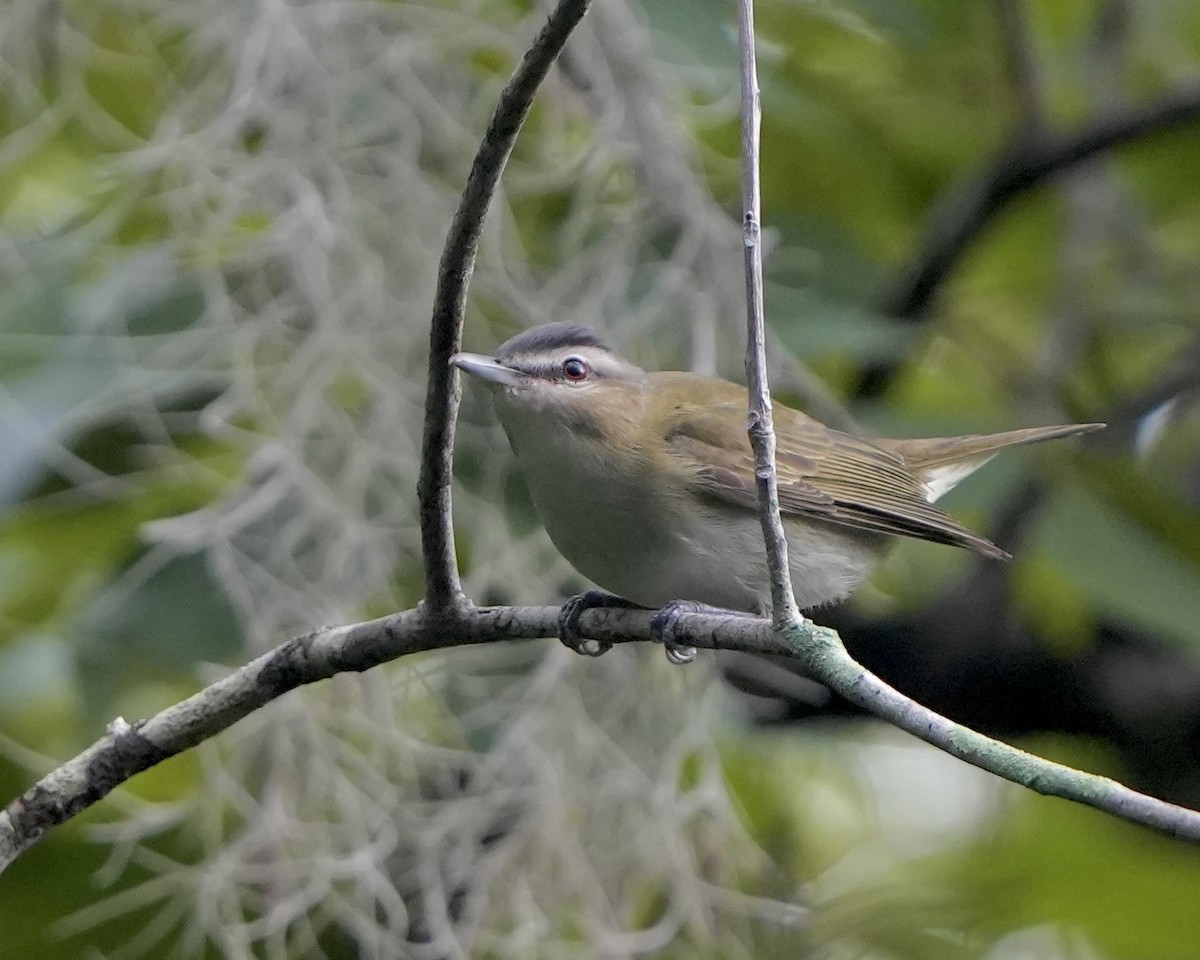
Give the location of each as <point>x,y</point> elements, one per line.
<point>723,562</point>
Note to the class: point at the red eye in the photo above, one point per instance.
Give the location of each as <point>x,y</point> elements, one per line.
<point>575,369</point>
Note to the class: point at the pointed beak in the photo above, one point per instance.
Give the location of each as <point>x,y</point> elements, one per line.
<point>488,368</point>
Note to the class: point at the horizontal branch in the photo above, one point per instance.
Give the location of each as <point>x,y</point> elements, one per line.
<point>968,207</point>
<point>128,749</point>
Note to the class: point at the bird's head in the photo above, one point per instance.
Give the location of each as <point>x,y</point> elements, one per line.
<point>559,376</point>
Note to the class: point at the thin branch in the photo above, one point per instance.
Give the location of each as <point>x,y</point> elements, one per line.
<point>826,660</point>
<point>760,423</point>
<point>128,749</point>
<point>443,588</point>
<point>969,207</point>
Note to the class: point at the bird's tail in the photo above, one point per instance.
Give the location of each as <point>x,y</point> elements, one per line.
<point>942,462</point>
<point>937,451</point>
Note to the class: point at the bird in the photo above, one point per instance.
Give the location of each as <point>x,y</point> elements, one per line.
<point>645,481</point>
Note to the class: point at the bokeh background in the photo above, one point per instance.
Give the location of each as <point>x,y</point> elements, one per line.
<point>219,227</point>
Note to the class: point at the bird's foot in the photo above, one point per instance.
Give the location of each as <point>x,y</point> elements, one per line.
<point>573,609</point>
<point>664,624</point>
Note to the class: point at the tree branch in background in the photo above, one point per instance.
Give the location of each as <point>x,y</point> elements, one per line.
<point>965,209</point>
<point>442,585</point>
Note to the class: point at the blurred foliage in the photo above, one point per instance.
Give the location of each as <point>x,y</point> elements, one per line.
<point>1073,304</point>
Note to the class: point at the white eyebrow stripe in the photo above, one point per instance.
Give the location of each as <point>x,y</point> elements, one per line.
<point>547,364</point>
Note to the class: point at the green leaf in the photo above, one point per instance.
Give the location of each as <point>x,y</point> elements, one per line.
<point>1119,565</point>
<point>1130,893</point>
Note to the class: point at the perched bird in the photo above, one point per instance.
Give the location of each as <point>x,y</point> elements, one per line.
<point>645,481</point>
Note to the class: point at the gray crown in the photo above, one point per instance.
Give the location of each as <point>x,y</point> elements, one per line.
<point>550,337</point>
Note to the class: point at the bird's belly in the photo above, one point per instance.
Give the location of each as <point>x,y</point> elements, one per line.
<point>617,531</point>
<point>722,562</point>
<point>651,553</point>
<point>615,538</point>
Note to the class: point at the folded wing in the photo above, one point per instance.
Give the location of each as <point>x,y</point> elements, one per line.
<point>823,474</point>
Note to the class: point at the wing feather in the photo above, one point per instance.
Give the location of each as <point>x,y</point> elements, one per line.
<point>823,474</point>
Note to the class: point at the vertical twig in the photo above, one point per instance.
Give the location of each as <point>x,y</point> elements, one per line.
<point>760,424</point>
<point>443,589</point>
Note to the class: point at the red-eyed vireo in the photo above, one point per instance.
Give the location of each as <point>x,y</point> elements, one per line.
<point>645,481</point>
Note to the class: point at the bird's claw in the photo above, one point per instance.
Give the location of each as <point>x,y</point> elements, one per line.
<point>664,624</point>
<point>568,621</point>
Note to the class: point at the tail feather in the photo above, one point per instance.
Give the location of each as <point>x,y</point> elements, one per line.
<point>942,462</point>
<point>936,451</point>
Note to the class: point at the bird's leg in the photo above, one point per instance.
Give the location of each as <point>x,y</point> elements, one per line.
<point>573,609</point>
<point>664,624</point>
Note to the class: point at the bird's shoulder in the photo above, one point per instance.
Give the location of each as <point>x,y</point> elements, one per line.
<point>701,429</point>
<point>699,410</point>
<point>702,408</point>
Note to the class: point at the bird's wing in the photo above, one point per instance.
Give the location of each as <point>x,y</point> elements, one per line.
<point>823,474</point>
